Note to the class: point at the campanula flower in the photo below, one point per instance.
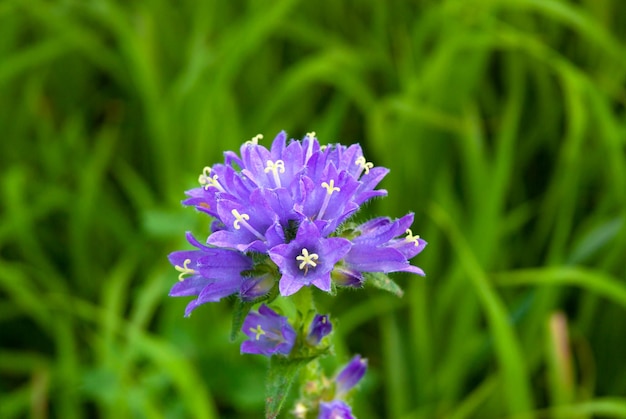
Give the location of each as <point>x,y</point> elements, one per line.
<point>378,248</point>
<point>308,259</point>
<point>208,273</point>
<point>269,333</point>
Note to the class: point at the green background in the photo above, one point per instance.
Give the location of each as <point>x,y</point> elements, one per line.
<point>503,124</point>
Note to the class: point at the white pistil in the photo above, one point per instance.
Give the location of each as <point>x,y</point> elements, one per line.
<point>206,180</point>
<point>184,270</point>
<point>274,167</point>
<point>254,140</point>
<point>241,220</point>
<point>258,331</point>
<point>307,259</point>
<point>411,238</point>
<point>364,164</point>
<point>330,188</point>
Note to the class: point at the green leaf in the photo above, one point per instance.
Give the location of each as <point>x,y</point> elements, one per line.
<point>280,376</point>
<point>383,282</point>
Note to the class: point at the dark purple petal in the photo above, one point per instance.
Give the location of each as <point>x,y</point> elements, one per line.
<point>366,258</point>
<point>219,289</point>
<point>368,183</point>
<point>278,145</point>
<point>410,248</point>
<point>350,375</point>
<point>190,286</point>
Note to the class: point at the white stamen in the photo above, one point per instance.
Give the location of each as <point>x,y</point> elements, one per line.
<point>184,270</point>
<point>274,167</point>
<point>254,140</point>
<point>411,238</point>
<point>258,331</point>
<point>309,149</point>
<point>364,164</point>
<point>241,220</point>
<point>330,188</point>
<point>207,180</point>
<point>307,260</point>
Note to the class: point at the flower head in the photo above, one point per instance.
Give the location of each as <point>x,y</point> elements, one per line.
<point>282,207</point>
<point>269,333</point>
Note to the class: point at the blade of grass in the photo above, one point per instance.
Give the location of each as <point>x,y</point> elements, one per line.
<point>515,379</point>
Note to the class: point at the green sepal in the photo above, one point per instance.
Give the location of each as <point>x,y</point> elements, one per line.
<point>240,311</point>
<point>242,308</point>
<point>383,282</point>
<point>280,377</point>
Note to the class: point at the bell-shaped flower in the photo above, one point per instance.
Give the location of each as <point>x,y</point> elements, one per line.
<point>269,333</point>
<point>308,259</point>
<point>208,273</point>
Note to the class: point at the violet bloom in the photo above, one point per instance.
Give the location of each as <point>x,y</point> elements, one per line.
<point>335,410</point>
<point>278,210</point>
<point>378,248</point>
<point>350,375</point>
<point>269,333</point>
<point>208,273</point>
<point>308,259</point>
<point>320,327</point>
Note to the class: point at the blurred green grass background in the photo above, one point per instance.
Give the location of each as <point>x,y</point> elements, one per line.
<point>503,123</point>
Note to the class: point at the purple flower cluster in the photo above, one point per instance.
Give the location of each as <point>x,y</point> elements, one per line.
<point>277,214</point>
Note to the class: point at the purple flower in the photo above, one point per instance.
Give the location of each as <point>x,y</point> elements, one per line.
<point>208,273</point>
<point>335,410</point>
<point>269,333</point>
<point>377,248</point>
<point>308,259</point>
<point>350,375</point>
<point>320,327</point>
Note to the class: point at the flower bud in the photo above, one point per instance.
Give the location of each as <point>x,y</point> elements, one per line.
<point>320,327</point>
<point>350,375</point>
